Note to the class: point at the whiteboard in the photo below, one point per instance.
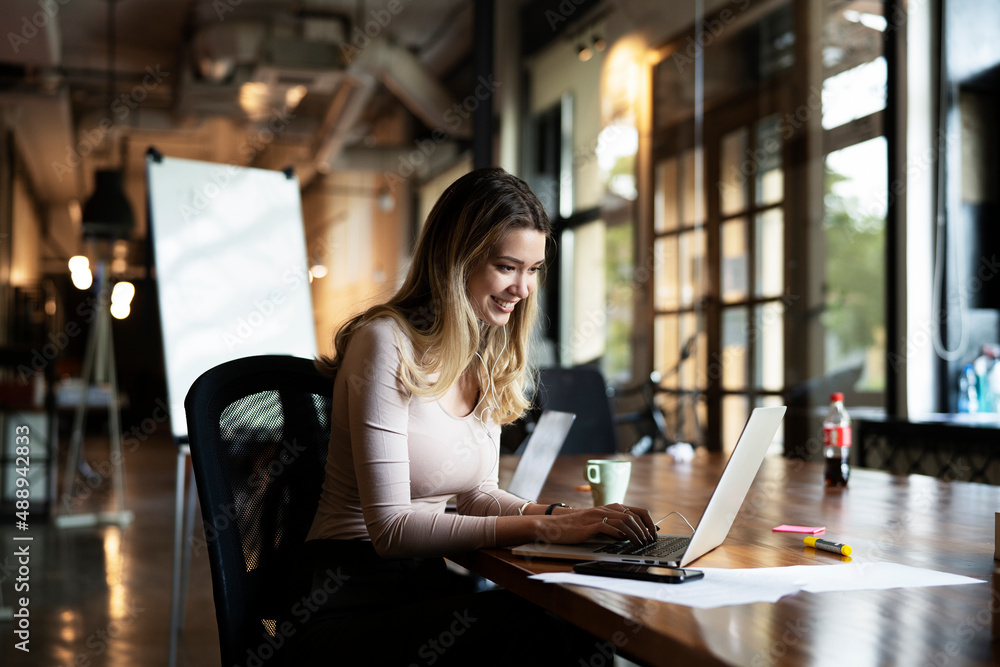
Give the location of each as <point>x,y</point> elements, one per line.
<point>231,269</point>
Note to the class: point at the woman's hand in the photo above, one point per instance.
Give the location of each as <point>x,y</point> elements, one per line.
<point>621,522</point>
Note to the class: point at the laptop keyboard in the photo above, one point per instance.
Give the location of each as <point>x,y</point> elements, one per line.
<point>661,548</point>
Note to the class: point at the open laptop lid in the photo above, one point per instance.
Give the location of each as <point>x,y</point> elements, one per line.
<point>540,452</point>
<point>719,514</point>
<point>735,482</point>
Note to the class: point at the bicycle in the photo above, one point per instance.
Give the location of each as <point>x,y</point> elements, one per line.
<point>650,421</point>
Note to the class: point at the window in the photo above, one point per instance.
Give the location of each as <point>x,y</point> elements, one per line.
<point>769,278</point>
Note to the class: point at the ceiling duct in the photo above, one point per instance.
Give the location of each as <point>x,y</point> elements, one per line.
<point>290,61</point>
<point>31,32</point>
<point>408,79</point>
<point>277,56</point>
<point>343,113</point>
<point>279,53</point>
<point>218,49</point>
<point>405,75</point>
<point>38,106</point>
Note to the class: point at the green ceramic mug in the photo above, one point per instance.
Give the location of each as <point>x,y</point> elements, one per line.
<point>608,480</point>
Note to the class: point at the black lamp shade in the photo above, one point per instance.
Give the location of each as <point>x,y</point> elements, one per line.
<point>107,214</point>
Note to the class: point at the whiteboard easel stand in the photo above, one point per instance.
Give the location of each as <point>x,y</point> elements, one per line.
<point>174,180</point>
<point>98,366</point>
<point>183,544</point>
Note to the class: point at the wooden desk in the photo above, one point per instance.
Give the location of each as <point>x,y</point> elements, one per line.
<point>917,521</point>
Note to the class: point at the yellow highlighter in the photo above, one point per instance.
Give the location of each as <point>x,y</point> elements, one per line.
<point>827,545</point>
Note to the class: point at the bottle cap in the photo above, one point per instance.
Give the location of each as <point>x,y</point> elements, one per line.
<point>836,396</point>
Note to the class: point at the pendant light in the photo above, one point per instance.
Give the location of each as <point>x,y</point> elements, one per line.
<point>108,214</point>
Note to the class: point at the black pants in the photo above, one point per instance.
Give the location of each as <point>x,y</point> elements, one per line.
<point>361,609</point>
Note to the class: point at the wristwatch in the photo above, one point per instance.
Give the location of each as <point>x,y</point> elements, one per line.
<point>548,510</point>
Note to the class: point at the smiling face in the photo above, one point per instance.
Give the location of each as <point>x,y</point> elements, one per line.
<point>508,275</point>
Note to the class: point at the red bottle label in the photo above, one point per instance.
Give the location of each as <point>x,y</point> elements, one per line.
<point>836,436</point>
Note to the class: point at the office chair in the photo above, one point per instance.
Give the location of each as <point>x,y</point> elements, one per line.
<point>583,392</point>
<point>259,429</point>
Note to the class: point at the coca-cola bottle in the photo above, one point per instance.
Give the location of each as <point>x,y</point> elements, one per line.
<point>837,442</point>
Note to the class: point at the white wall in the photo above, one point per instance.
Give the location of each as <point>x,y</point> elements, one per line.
<point>359,243</point>
<point>25,267</point>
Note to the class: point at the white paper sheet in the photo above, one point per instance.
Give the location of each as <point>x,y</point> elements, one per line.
<point>722,587</point>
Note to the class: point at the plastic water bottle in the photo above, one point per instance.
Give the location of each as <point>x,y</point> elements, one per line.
<point>968,392</point>
<point>837,442</point>
<point>982,368</point>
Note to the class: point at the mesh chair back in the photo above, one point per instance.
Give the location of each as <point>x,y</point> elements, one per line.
<point>259,429</point>
<point>583,392</point>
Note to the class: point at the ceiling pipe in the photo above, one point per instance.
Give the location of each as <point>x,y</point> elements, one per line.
<point>404,74</point>
<point>349,102</point>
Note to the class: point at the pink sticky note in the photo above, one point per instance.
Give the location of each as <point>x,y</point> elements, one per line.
<point>799,529</point>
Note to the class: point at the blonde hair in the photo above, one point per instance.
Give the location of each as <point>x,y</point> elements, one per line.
<point>432,306</point>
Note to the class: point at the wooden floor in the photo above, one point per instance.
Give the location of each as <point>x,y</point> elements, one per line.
<point>101,595</point>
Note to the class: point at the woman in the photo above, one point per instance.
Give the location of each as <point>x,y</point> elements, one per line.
<point>423,384</point>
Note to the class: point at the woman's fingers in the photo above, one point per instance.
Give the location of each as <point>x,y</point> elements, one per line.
<point>609,528</point>
<point>629,528</point>
<point>637,519</point>
<point>643,515</point>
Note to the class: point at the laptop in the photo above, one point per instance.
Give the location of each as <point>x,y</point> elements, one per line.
<point>723,506</point>
<point>539,452</point>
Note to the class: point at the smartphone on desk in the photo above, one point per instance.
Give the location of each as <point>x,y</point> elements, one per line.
<point>665,575</point>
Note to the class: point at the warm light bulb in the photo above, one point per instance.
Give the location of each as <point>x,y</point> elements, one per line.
<point>82,280</point>
<point>75,212</point>
<point>294,95</point>
<point>584,54</point>
<point>120,310</point>
<point>318,270</point>
<point>386,202</point>
<point>78,263</point>
<point>123,292</point>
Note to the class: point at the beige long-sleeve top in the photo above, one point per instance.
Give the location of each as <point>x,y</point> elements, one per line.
<point>395,459</point>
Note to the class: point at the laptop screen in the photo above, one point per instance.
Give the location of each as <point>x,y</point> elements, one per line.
<point>540,453</point>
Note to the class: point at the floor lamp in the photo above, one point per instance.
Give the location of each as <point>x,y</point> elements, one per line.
<point>98,367</point>
<point>107,217</point>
